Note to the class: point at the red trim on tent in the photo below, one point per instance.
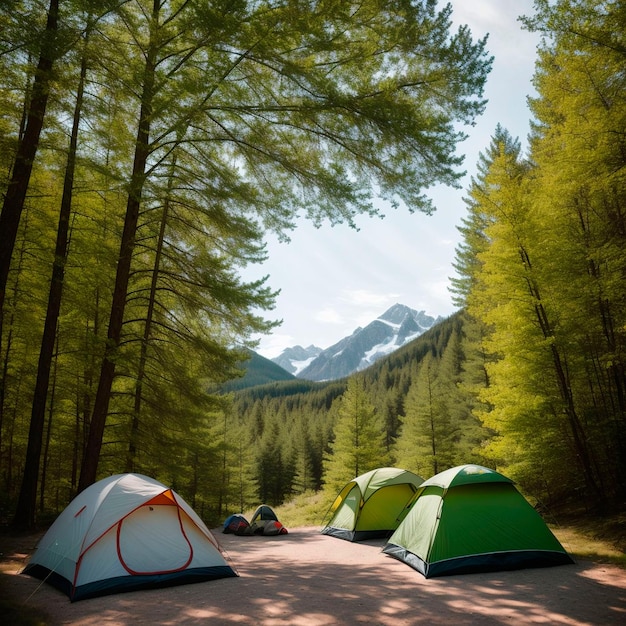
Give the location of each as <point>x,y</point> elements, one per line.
<point>81,510</point>
<point>76,570</point>
<point>209,536</point>
<point>169,500</point>
<point>156,501</point>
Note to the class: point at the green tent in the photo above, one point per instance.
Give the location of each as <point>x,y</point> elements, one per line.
<point>472,519</point>
<point>369,505</point>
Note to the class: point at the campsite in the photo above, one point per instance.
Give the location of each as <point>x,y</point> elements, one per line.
<point>134,552</point>
<point>171,453</point>
<point>305,578</point>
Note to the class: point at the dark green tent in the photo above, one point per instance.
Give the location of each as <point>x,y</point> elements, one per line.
<point>472,519</point>
<point>369,505</point>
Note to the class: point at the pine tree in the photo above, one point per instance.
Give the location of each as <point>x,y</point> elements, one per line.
<point>426,443</point>
<point>473,229</point>
<point>359,438</point>
<point>579,193</point>
<point>530,381</point>
<point>275,466</point>
<point>25,510</point>
<point>218,122</point>
<point>36,102</point>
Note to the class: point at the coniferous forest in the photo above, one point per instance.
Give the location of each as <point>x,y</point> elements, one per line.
<point>149,146</point>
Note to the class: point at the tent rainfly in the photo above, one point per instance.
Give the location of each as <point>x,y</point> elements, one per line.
<point>472,519</point>
<point>369,506</point>
<point>123,533</point>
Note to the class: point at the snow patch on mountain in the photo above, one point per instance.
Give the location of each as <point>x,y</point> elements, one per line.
<point>296,359</point>
<point>298,366</point>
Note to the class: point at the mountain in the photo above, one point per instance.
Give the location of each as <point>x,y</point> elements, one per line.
<point>393,329</point>
<point>257,371</point>
<point>295,359</point>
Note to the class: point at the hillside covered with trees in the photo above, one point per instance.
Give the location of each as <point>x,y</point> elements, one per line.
<point>148,146</point>
<point>412,408</point>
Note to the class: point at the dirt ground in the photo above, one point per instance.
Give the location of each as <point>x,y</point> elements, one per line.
<point>309,579</point>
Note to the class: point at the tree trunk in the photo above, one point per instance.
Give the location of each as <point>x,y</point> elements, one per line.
<point>147,332</point>
<point>26,505</point>
<point>7,418</point>
<point>46,448</point>
<point>583,452</point>
<point>89,468</point>
<point>26,152</point>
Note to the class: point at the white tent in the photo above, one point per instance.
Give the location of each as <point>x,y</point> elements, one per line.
<point>123,533</point>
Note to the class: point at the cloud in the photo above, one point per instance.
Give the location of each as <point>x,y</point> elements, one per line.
<point>329,316</point>
<point>274,344</point>
<point>353,308</point>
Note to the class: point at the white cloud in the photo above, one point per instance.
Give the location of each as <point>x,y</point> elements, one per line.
<point>329,316</point>
<point>274,344</point>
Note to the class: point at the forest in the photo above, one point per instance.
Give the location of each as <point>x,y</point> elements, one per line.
<point>149,145</point>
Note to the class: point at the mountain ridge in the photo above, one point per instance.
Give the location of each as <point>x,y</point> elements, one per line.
<point>396,327</point>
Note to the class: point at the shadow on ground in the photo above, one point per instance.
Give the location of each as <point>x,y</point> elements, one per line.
<point>308,579</point>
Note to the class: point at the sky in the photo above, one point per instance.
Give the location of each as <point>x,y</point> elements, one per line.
<point>333,280</point>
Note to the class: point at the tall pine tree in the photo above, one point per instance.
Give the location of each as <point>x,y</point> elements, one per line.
<point>359,438</point>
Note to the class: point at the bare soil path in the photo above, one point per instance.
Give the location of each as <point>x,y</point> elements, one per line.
<point>309,579</point>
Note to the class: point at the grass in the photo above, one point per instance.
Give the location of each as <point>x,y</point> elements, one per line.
<point>599,538</point>
<point>307,509</point>
<point>583,546</point>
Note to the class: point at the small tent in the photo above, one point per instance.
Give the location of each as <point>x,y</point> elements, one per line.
<point>236,524</point>
<point>265,522</point>
<point>123,533</point>
<point>369,506</point>
<point>263,513</point>
<point>472,519</point>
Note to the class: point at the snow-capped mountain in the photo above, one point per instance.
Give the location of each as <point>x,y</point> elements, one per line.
<point>392,330</point>
<point>295,359</point>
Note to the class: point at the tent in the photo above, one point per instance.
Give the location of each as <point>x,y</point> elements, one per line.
<point>124,533</point>
<point>472,519</point>
<point>369,506</point>
<point>265,522</point>
<point>263,513</point>
<point>236,524</point>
